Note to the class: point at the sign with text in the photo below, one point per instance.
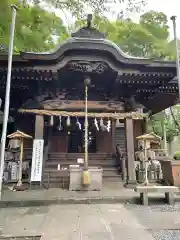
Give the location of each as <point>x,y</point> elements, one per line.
<point>37,160</point>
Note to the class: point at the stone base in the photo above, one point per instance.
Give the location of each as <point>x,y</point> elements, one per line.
<point>169,192</point>
<point>76,181</point>
<point>130,184</point>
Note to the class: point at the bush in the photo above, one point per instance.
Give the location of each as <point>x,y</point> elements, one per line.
<point>177,156</point>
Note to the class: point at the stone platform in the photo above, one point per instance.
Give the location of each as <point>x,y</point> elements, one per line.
<point>110,193</point>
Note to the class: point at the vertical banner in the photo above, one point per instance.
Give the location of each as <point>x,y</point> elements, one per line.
<point>37,160</point>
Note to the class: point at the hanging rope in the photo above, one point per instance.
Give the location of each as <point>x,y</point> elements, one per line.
<point>134,115</point>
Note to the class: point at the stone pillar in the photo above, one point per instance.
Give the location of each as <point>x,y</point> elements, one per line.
<point>131,179</point>
<point>39,127</point>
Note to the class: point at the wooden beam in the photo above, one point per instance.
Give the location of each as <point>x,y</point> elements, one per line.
<point>80,104</point>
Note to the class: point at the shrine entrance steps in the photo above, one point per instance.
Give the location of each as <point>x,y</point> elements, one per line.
<point>52,177</point>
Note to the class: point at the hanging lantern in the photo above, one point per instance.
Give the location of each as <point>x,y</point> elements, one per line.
<point>96,124</point>
<point>109,125</point>
<point>78,124</point>
<point>68,121</point>
<point>51,121</point>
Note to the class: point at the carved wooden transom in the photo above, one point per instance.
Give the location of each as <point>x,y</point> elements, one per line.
<point>88,67</point>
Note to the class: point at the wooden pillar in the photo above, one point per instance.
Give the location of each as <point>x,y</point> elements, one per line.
<point>130,151</point>
<point>39,127</point>
<point>113,133</point>
<point>39,134</point>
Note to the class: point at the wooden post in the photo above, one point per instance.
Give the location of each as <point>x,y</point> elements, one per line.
<point>39,127</point>
<point>130,151</point>
<point>113,134</point>
<point>20,164</point>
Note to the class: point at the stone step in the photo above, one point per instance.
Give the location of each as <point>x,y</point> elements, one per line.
<point>79,154</point>
<point>60,180</point>
<point>104,160</point>
<point>103,163</point>
<point>52,158</point>
<point>64,175</point>
<point>105,169</point>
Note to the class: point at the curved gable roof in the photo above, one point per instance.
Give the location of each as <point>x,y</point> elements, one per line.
<point>86,39</point>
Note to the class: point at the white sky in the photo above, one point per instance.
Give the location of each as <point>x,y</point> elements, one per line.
<point>169,7</point>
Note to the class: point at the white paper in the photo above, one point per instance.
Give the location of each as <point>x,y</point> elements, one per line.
<point>37,160</point>
<point>80,160</point>
<point>59,167</point>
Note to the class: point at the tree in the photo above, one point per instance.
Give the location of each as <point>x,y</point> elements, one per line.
<point>36,29</point>
<point>148,38</point>
<point>79,7</point>
<point>156,23</point>
<point>170,120</point>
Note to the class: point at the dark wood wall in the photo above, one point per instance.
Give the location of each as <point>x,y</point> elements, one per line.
<point>104,142</point>
<point>58,142</point>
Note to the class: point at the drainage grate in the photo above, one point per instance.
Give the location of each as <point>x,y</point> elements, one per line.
<point>21,238</point>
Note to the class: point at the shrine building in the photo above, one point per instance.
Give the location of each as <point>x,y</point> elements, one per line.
<point>48,101</point>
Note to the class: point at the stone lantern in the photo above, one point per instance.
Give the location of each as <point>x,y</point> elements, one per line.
<point>18,135</point>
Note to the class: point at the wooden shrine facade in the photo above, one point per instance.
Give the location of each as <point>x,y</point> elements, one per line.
<point>123,89</point>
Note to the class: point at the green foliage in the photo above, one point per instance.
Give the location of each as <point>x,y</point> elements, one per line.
<point>160,119</point>
<point>177,156</point>
<point>79,8</point>
<point>148,38</point>
<point>35,30</point>
<point>156,23</point>
<point>40,30</point>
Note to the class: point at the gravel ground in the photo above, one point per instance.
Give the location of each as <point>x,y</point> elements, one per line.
<point>167,235</point>
<point>144,212</point>
<point>154,208</point>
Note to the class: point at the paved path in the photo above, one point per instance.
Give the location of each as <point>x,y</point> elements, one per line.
<point>92,222</point>
<point>111,193</point>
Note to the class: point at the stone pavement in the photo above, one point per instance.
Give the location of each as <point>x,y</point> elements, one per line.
<point>111,193</point>
<point>92,222</point>
<point>76,222</point>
